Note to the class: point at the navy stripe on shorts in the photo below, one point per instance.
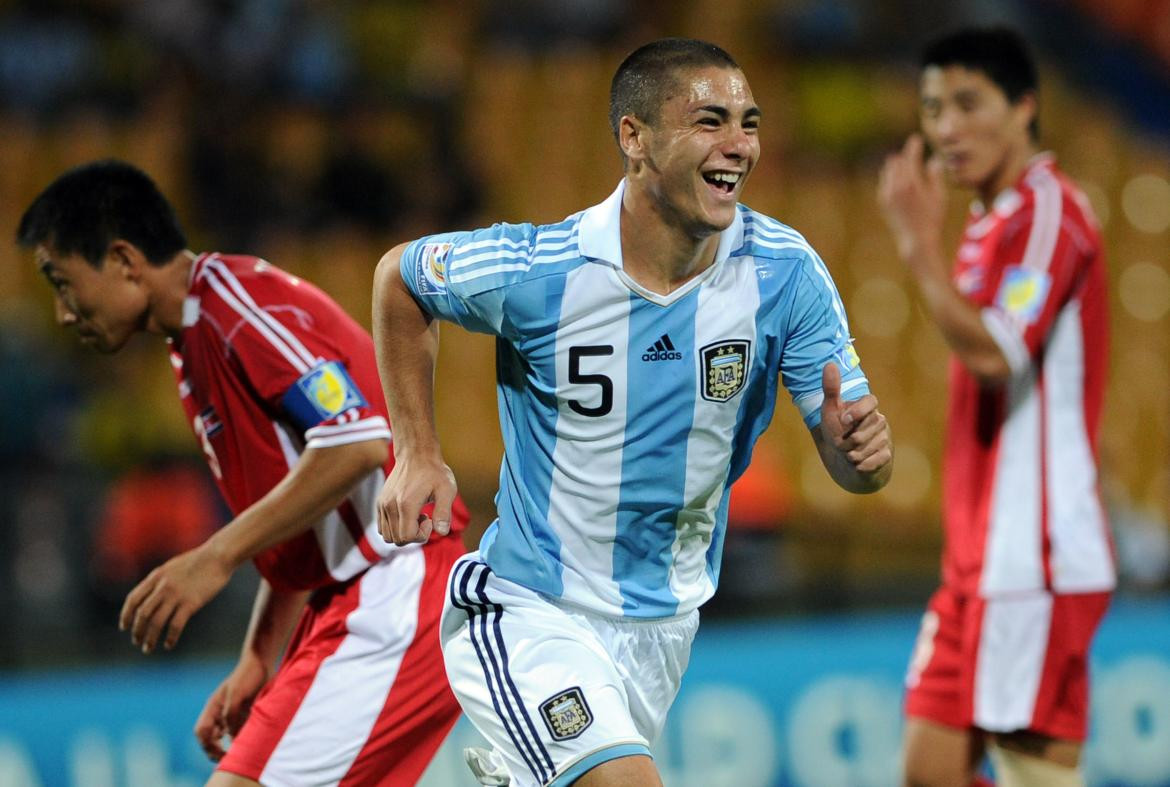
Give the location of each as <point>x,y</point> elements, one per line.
<point>493,659</point>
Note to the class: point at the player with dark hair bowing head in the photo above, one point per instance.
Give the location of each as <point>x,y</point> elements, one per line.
<point>1002,658</point>
<point>281,389</point>
<point>639,346</point>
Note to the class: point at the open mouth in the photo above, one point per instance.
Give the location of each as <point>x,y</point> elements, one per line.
<point>724,182</point>
<point>955,161</point>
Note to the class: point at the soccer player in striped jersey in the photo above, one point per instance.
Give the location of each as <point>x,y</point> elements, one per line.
<point>1002,658</point>
<point>281,389</point>
<point>639,347</point>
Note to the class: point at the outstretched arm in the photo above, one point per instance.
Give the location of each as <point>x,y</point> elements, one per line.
<point>274,614</point>
<point>406,340</point>
<point>853,438</point>
<point>174,591</point>
<point>913,199</point>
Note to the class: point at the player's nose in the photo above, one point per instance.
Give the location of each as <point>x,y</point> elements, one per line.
<point>65,316</point>
<point>738,142</point>
<point>947,125</point>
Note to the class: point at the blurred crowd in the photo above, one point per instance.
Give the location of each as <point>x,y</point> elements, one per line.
<point>319,134</point>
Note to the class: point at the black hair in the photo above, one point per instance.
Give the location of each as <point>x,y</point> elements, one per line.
<point>646,77</point>
<point>1000,53</point>
<point>87,208</point>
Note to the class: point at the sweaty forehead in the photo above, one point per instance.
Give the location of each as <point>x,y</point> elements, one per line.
<point>713,85</point>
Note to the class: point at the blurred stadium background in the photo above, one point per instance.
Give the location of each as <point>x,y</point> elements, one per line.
<point>319,134</point>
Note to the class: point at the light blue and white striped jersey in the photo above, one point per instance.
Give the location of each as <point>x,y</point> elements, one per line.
<point>626,415</point>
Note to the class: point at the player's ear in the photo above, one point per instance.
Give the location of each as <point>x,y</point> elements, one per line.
<point>128,258</point>
<point>632,138</point>
<point>1026,108</point>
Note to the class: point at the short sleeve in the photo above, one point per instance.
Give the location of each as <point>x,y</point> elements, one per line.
<point>292,348</point>
<point>1038,262</point>
<point>462,276</point>
<point>329,408</point>
<point>817,332</point>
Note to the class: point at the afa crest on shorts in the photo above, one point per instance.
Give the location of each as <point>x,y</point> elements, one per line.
<point>724,367</point>
<point>566,714</point>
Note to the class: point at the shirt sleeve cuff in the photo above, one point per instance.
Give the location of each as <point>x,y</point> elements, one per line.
<point>1007,338</point>
<point>328,435</point>
<point>810,404</point>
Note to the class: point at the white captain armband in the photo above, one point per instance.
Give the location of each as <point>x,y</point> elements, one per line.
<point>324,392</point>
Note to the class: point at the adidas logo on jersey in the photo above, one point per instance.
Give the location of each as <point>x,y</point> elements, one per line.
<point>662,350</point>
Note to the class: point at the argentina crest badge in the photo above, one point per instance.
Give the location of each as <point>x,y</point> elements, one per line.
<point>566,714</point>
<point>724,367</point>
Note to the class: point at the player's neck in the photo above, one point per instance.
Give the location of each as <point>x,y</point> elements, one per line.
<point>1008,174</point>
<point>169,285</point>
<point>659,256</point>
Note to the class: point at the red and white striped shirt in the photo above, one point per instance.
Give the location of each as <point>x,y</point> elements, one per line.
<point>1022,509</point>
<point>267,366</point>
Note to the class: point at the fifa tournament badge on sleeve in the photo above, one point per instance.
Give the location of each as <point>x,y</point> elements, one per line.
<point>847,357</point>
<point>432,268</point>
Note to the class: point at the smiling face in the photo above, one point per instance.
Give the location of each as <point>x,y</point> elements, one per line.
<point>983,138</point>
<point>105,306</point>
<point>695,158</point>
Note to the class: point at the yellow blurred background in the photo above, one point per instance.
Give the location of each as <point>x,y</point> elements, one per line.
<point>444,115</point>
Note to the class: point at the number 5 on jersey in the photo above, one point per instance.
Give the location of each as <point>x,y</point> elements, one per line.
<point>577,376</point>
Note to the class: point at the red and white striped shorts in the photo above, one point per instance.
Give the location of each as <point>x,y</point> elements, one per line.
<point>361,696</point>
<point>1004,664</point>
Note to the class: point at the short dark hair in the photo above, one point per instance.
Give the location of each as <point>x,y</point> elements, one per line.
<point>645,78</point>
<point>998,52</point>
<point>89,207</point>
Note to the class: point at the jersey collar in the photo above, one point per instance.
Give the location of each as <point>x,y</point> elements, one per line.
<point>1007,201</point>
<point>599,234</point>
<point>191,302</point>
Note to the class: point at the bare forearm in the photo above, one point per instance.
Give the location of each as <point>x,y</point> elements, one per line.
<point>274,614</point>
<point>316,485</point>
<point>913,199</point>
<point>406,341</point>
<point>959,321</point>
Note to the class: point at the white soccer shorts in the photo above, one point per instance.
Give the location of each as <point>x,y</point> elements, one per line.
<point>557,690</point>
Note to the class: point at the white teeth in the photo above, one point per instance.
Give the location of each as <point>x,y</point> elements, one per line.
<point>725,177</point>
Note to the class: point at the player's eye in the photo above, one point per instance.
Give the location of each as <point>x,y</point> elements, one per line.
<point>709,121</point>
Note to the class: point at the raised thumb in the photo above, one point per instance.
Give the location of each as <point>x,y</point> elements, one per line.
<point>831,383</point>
